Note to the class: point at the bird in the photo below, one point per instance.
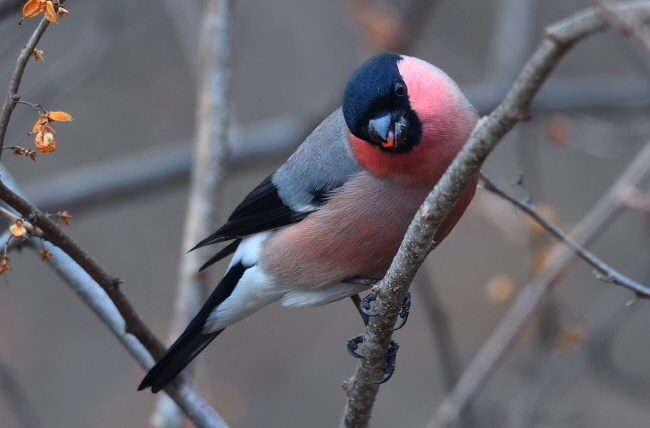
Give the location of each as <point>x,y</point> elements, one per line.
<point>339,207</point>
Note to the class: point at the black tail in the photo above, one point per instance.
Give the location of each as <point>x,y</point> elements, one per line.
<point>181,353</point>
<point>193,339</point>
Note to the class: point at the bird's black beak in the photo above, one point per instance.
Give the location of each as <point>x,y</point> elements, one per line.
<point>389,130</point>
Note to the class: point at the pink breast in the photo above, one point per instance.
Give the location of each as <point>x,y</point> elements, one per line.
<point>356,234</point>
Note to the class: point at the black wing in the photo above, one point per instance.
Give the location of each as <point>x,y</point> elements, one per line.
<point>301,186</point>
<point>262,210</point>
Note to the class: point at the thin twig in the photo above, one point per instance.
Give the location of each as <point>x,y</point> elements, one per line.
<point>14,83</point>
<point>603,271</point>
<point>627,26</point>
<point>210,154</point>
<point>27,225</point>
<point>361,389</point>
<point>520,311</point>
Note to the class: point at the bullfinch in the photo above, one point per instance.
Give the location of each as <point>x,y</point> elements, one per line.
<point>340,206</point>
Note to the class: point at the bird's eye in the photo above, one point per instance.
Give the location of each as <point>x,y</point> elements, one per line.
<point>399,89</point>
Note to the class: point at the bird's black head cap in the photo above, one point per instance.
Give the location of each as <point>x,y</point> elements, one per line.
<point>377,89</point>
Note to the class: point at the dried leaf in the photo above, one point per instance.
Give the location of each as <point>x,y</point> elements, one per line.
<point>39,124</point>
<point>17,229</point>
<point>38,55</point>
<point>58,115</point>
<point>4,264</point>
<point>45,254</point>
<point>32,8</point>
<point>50,13</point>
<point>64,216</point>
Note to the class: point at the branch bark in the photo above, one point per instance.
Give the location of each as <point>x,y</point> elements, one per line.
<point>529,297</point>
<point>361,391</point>
<point>602,270</point>
<point>14,84</point>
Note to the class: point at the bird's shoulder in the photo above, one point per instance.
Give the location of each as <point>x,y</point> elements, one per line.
<point>321,164</point>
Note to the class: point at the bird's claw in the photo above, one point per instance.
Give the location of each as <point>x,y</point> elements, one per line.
<point>353,345</point>
<point>389,369</point>
<point>365,305</point>
<point>391,355</point>
<point>404,312</point>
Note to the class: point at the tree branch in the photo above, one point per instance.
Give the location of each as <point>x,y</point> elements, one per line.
<point>602,270</point>
<point>131,324</point>
<point>14,83</point>
<point>361,390</point>
<point>83,279</point>
<point>210,155</point>
<point>529,297</point>
<point>108,282</point>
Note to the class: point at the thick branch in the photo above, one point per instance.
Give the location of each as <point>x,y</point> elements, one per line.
<point>529,297</point>
<point>361,390</point>
<point>108,282</point>
<point>183,393</point>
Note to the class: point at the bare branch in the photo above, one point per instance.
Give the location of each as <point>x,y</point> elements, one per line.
<point>626,25</point>
<point>99,301</point>
<point>603,271</point>
<point>133,333</point>
<point>210,154</point>
<point>108,282</point>
<point>361,390</point>
<point>14,84</point>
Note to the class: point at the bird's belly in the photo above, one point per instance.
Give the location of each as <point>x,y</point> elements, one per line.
<point>356,234</point>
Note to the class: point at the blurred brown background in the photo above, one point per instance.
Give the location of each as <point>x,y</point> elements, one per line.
<point>126,72</point>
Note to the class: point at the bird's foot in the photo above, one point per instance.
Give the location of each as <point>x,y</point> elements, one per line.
<point>389,368</point>
<point>365,304</point>
<point>404,311</point>
<point>353,345</point>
